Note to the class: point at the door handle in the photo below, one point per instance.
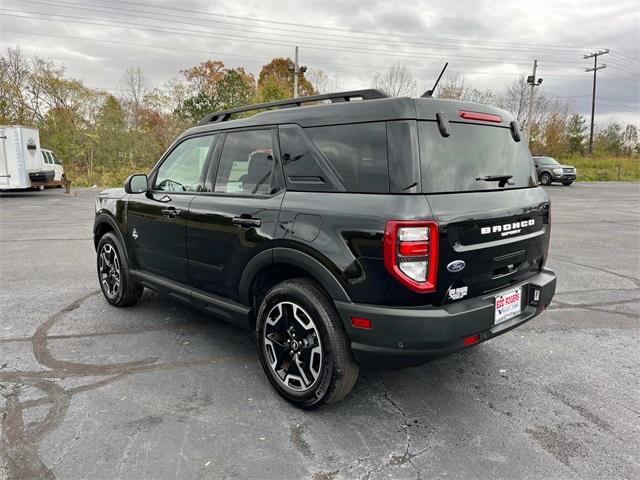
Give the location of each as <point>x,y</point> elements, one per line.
<point>171,212</point>
<point>246,222</point>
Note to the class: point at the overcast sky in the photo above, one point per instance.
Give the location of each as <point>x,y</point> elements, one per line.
<point>490,42</point>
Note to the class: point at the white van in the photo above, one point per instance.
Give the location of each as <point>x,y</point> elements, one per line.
<point>22,163</point>
<point>49,160</point>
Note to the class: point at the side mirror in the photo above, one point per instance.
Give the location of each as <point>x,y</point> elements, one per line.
<point>136,183</point>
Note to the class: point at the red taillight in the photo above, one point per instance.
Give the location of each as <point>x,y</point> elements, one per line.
<point>411,253</point>
<point>472,340</point>
<point>482,117</point>
<point>413,249</point>
<point>360,322</point>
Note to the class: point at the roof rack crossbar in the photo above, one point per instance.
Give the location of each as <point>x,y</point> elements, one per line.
<point>368,94</point>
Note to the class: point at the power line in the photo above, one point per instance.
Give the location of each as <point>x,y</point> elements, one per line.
<point>262,40</point>
<point>326,28</point>
<point>306,32</point>
<point>323,46</point>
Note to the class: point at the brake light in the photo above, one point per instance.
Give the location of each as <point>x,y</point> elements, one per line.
<point>482,117</point>
<point>411,253</point>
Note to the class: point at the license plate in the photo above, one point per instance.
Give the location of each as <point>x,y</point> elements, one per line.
<point>508,306</point>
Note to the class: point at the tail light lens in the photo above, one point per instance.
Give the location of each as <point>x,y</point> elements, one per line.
<point>411,253</point>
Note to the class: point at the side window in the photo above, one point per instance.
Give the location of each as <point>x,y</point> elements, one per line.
<point>56,160</point>
<point>357,153</point>
<point>45,155</point>
<point>301,169</point>
<point>246,163</point>
<point>182,169</point>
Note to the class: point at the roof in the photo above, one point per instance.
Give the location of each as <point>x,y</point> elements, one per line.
<point>380,109</point>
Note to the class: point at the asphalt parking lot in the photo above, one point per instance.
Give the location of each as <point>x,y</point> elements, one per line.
<point>161,391</point>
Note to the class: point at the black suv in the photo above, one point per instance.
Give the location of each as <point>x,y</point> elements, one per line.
<point>550,170</point>
<point>360,231</point>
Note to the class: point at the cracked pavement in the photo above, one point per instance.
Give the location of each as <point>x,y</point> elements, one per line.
<point>162,391</point>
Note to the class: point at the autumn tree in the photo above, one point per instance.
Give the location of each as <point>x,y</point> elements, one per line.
<point>204,78</point>
<point>275,79</point>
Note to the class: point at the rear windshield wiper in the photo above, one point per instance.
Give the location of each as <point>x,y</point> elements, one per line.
<point>501,179</point>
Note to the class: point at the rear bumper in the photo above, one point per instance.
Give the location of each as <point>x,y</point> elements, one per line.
<point>403,337</point>
<point>42,176</point>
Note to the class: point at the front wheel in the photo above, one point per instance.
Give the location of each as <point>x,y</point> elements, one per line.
<point>566,184</point>
<point>545,178</point>
<point>302,345</point>
<point>116,283</point>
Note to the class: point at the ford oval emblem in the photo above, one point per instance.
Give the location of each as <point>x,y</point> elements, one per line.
<point>456,266</point>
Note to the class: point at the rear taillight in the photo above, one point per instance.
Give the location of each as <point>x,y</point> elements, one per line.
<point>411,253</point>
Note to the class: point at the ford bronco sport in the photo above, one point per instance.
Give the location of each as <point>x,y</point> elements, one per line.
<point>359,231</point>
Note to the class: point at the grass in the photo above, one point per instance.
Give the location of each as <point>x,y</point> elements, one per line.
<point>605,168</point>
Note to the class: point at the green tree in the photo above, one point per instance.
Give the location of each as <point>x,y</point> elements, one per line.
<point>235,89</point>
<point>576,133</point>
<point>610,140</point>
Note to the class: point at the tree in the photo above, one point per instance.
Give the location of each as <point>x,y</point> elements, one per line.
<point>630,144</point>
<point>322,83</point>
<point>576,128</point>
<point>134,87</point>
<point>272,89</point>
<point>610,139</point>
<point>454,87</point>
<point>204,78</point>
<point>276,72</point>
<point>397,81</point>
<point>235,89</point>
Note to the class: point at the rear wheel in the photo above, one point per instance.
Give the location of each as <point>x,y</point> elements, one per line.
<point>545,178</point>
<point>113,273</point>
<point>302,345</point>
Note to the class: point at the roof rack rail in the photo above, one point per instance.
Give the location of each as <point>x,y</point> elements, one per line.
<point>368,94</point>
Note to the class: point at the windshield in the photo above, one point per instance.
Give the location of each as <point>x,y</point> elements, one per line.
<point>546,161</point>
<point>473,158</point>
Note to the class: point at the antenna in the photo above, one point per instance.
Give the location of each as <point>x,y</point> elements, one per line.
<point>429,93</point>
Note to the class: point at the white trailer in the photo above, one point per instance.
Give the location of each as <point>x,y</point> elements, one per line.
<point>21,161</point>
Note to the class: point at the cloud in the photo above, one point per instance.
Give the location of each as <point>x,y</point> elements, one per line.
<point>490,41</point>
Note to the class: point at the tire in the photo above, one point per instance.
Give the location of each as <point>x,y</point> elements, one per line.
<point>566,184</point>
<point>302,346</point>
<point>545,178</point>
<point>116,283</point>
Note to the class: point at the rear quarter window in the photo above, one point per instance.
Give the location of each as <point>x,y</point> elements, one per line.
<point>357,153</point>
<point>471,151</point>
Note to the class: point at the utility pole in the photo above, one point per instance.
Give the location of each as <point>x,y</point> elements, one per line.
<point>531,80</point>
<point>595,68</point>
<point>295,75</point>
<point>296,70</point>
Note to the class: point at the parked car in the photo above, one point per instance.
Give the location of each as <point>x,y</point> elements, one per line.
<point>550,170</point>
<point>371,231</point>
<point>50,161</point>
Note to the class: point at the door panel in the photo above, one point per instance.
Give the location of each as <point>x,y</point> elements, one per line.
<point>158,236</point>
<point>224,233</point>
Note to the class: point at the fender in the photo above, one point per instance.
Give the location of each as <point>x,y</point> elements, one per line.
<point>104,217</point>
<point>295,258</point>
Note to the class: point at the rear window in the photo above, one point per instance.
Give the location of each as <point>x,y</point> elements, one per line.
<point>357,153</point>
<point>471,151</point>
